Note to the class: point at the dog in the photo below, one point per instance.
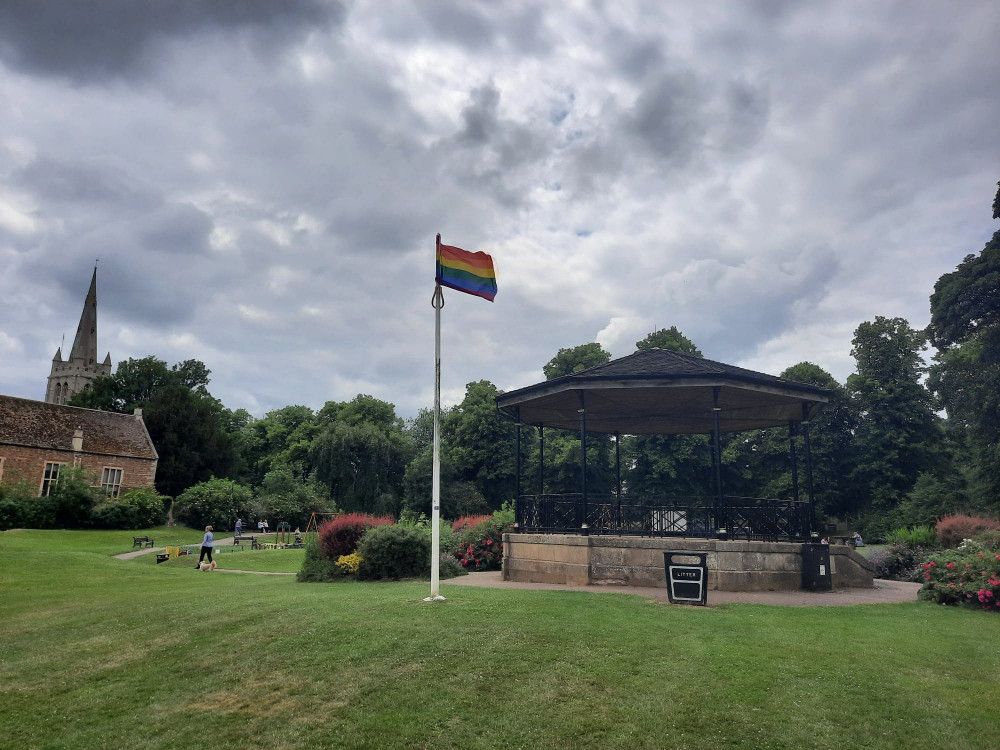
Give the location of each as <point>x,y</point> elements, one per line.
<point>209,567</point>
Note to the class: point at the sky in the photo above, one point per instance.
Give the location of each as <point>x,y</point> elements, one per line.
<point>262,182</point>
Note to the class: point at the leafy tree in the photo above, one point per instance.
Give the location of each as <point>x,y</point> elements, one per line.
<point>187,426</point>
<point>965,376</point>
<point>898,435</point>
<point>217,502</point>
<point>670,339</point>
<point>283,438</point>
<point>481,443</point>
<point>283,497</point>
<point>575,359</point>
<point>360,454</point>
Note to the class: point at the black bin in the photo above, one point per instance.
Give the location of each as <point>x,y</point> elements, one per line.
<point>816,573</point>
<point>687,577</point>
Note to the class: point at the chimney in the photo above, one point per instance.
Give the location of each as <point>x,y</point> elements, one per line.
<point>77,440</point>
<point>137,413</point>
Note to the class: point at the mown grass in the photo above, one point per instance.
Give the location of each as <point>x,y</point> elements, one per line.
<point>274,560</point>
<point>97,652</point>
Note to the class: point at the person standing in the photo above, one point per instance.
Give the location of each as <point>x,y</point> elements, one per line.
<point>206,547</point>
<point>239,527</point>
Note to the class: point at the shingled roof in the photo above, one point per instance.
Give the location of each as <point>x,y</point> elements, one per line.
<point>38,424</point>
<point>657,391</point>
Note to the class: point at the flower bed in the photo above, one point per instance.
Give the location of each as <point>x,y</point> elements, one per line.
<point>969,576</point>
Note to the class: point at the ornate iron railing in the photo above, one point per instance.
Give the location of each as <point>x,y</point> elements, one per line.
<point>749,518</point>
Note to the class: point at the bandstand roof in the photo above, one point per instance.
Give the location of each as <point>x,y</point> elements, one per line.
<point>662,392</point>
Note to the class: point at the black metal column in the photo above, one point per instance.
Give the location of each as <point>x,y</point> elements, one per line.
<point>583,462</point>
<point>517,460</point>
<point>795,461</point>
<point>541,460</point>
<point>809,467</point>
<point>717,455</point>
<point>618,477</point>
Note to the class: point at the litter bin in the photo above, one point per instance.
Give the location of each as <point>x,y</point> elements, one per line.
<point>162,557</point>
<point>816,573</point>
<point>687,577</point>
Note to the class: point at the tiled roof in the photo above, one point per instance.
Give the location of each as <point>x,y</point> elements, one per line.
<point>43,425</point>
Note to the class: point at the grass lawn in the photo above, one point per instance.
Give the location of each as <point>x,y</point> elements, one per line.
<point>275,560</point>
<point>97,652</point>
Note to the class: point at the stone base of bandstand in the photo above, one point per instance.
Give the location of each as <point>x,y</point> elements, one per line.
<point>638,561</point>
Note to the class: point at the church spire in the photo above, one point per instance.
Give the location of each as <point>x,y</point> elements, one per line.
<point>85,343</point>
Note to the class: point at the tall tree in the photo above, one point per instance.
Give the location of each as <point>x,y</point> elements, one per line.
<point>575,359</point>
<point>965,376</point>
<point>898,435</point>
<point>670,339</point>
<point>188,427</point>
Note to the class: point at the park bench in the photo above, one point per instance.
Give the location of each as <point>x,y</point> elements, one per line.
<point>244,539</point>
<point>142,541</point>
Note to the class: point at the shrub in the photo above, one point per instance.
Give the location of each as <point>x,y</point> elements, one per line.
<point>449,567</point>
<point>917,536</point>
<point>899,562</point>
<point>341,535</point>
<point>73,499</point>
<point>140,508</point>
<point>951,530</point>
<point>468,522</point>
<point>349,564</point>
<point>394,552</point>
<point>968,577</point>
<point>481,546</point>
<point>217,502</point>
<point>316,566</point>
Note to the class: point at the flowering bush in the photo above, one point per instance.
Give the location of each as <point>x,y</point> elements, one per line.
<point>900,562</point>
<point>970,577</point>
<point>481,546</point>
<point>951,530</point>
<point>349,564</point>
<point>341,535</point>
<point>468,522</point>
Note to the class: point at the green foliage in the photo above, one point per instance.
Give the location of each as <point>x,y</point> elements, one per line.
<point>671,339</point>
<point>458,497</point>
<point>217,503</point>
<point>317,567</point>
<point>575,359</point>
<point>900,562</point>
<point>394,552</point>
<point>915,536</point>
<point>898,435</point>
<point>282,497</point>
<point>480,547</point>
<point>969,577</point>
<point>136,509</point>
<point>481,447</point>
<point>73,499</point>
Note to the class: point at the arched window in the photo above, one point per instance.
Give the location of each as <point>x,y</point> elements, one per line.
<point>58,393</point>
<point>65,393</point>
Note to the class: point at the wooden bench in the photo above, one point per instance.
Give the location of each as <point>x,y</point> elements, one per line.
<point>244,539</point>
<point>142,541</point>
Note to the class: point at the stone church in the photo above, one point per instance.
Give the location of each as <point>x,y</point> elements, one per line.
<point>70,376</point>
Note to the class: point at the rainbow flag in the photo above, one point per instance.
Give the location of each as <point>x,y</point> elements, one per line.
<point>467,272</point>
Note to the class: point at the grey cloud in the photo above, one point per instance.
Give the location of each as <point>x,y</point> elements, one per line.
<point>668,117</point>
<point>83,182</point>
<point>176,229</point>
<point>86,40</point>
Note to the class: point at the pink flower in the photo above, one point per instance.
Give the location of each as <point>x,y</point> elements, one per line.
<point>950,565</point>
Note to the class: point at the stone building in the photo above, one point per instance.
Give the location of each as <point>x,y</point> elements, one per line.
<point>70,376</point>
<point>38,439</point>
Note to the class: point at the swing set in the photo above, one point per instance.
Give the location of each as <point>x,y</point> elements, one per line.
<point>316,520</point>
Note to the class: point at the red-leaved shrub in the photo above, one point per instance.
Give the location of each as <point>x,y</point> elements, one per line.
<point>468,522</point>
<point>341,535</point>
<point>951,530</point>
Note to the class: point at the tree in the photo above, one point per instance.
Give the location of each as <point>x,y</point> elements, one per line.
<point>281,439</point>
<point>965,376</point>
<point>898,435</point>
<point>481,443</point>
<point>188,427</point>
<point>670,339</point>
<point>575,359</point>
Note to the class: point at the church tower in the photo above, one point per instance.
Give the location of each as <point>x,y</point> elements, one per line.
<point>70,376</point>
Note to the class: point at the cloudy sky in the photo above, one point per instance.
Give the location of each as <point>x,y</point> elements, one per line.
<point>262,181</point>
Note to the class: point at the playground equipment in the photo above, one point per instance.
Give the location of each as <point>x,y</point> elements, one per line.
<point>316,520</point>
<point>283,533</point>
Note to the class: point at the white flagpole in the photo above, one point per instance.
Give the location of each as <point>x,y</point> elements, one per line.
<point>437,302</point>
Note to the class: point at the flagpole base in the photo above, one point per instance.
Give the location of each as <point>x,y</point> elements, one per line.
<point>435,598</point>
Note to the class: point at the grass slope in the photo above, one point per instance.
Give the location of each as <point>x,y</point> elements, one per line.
<point>97,652</point>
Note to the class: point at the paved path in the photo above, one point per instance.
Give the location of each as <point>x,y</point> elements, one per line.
<point>885,592</point>
<point>147,550</point>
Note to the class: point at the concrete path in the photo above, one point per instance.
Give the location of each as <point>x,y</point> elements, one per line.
<point>885,592</point>
<point>146,550</point>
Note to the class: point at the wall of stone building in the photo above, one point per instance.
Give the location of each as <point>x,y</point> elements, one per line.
<point>638,561</point>
<point>28,464</point>
<point>75,375</point>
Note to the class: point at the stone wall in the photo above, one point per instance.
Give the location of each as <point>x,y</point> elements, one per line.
<point>638,561</point>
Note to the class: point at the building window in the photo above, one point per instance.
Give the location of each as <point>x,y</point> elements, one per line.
<point>58,398</point>
<point>65,397</point>
<point>111,481</point>
<point>49,478</point>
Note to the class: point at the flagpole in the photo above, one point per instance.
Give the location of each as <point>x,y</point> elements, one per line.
<point>437,302</point>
